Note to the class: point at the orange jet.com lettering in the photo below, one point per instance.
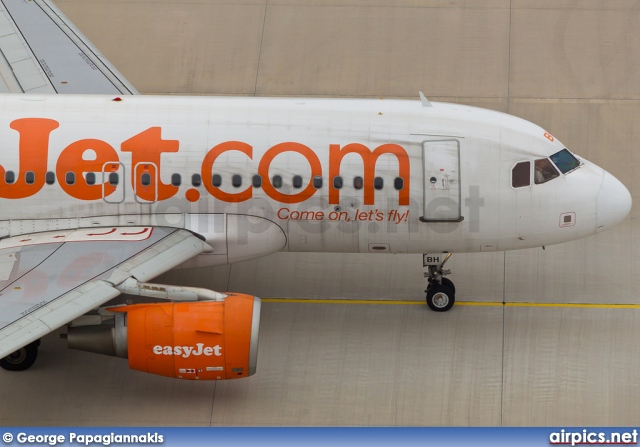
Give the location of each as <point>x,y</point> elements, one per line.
<point>146,149</point>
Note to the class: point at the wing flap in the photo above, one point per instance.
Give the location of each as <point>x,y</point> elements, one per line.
<point>18,67</point>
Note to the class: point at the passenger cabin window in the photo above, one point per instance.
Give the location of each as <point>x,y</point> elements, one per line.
<point>256,181</point>
<point>9,177</point>
<point>196,180</point>
<point>317,182</point>
<point>276,181</point>
<point>378,183</point>
<point>236,181</point>
<point>544,171</point>
<point>297,181</point>
<point>398,183</point>
<point>565,161</point>
<point>521,174</point>
<point>30,177</point>
<point>216,180</point>
<point>337,182</point>
<point>50,178</point>
<point>70,178</point>
<point>90,178</point>
<point>358,182</point>
<point>176,179</point>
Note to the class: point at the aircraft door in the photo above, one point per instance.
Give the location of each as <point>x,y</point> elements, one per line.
<point>113,182</point>
<point>146,182</point>
<point>441,168</point>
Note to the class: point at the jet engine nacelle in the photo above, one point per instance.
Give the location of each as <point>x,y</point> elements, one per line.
<point>205,340</point>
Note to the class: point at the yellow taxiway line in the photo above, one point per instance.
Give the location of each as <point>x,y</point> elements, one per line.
<point>458,303</point>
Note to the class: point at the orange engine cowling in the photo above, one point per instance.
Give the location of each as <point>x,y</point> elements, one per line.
<point>205,340</point>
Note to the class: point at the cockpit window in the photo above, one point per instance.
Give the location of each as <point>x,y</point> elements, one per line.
<point>544,171</point>
<point>565,161</point>
<point>521,174</point>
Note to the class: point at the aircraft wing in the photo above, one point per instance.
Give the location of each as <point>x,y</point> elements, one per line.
<point>48,279</point>
<point>41,51</point>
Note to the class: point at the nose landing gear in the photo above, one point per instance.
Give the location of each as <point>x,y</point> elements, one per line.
<point>441,293</point>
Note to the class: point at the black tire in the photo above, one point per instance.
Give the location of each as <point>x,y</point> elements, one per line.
<point>445,282</point>
<point>440,298</point>
<point>22,359</point>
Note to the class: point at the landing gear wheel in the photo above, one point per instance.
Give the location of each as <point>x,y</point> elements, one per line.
<point>22,359</point>
<point>441,293</point>
<point>440,298</point>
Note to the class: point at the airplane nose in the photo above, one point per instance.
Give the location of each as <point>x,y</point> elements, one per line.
<point>613,203</point>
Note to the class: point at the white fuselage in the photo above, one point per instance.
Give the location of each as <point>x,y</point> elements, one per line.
<point>414,179</point>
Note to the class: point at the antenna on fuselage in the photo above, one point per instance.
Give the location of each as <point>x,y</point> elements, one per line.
<point>425,101</point>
